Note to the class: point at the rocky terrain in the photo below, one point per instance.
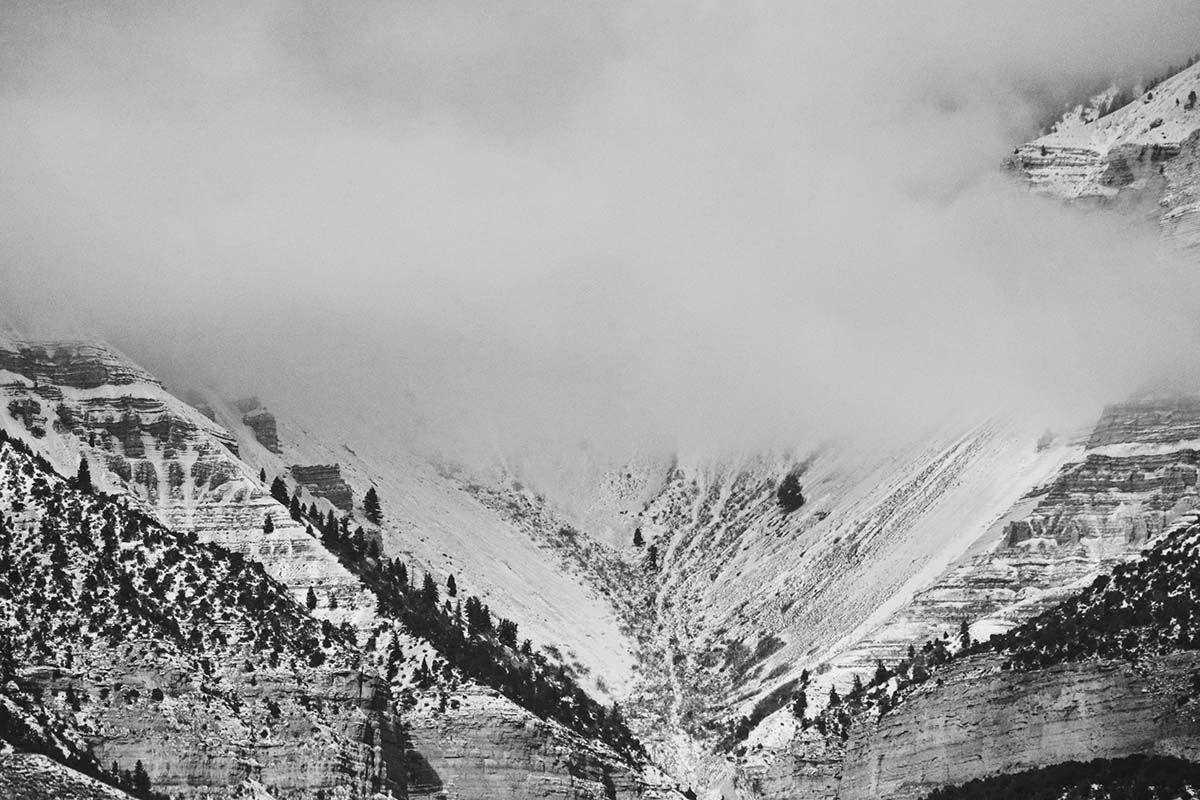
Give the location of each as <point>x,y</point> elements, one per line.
<point>173,462</point>
<point>1145,151</point>
<point>222,607</point>
<point>325,481</point>
<point>154,648</point>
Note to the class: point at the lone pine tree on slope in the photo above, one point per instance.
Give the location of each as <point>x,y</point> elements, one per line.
<point>371,506</point>
<point>83,478</point>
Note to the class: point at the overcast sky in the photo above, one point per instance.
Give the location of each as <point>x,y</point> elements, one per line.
<point>704,222</point>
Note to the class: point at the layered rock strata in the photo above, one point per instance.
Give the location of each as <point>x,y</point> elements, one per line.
<point>325,480</point>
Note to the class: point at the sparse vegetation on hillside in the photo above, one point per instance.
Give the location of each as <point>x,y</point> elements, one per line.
<point>87,583</point>
<point>1136,777</point>
<point>1148,606</point>
<point>480,646</point>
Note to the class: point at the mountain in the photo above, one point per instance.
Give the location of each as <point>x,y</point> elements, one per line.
<point>185,658</point>
<point>197,584</point>
<point>1146,151</point>
<point>469,713</point>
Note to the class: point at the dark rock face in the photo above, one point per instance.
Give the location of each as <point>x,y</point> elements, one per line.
<point>982,722</point>
<point>1161,422</point>
<point>29,412</point>
<point>325,480</point>
<point>261,422</point>
<point>1084,501</point>
<point>77,364</point>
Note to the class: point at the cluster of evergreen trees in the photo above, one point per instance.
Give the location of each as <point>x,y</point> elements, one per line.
<point>481,646</point>
<point>1145,607</point>
<point>136,783</point>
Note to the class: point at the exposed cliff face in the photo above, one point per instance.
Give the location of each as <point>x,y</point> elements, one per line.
<point>142,441</point>
<point>325,481</point>
<point>1101,510</point>
<point>32,776</point>
<point>256,417</point>
<point>153,647</point>
<point>488,748</point>
<point>1163,421</point>
<point>75,364</point>
<point>1145,150</point>
<point>745,595</point>
<point>983,722</point>
<point>177,463</point>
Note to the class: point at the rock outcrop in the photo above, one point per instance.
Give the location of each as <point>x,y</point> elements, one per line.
<point>1098,512</point>
<point>1163,421</point>
<point>174,462</point>
<point>160,649</point>
<point>978,721</point>
<point>1148,150</point>
<point>325,480</point>
<point>489,748</point>
<point>33,776</point>
<point>261,422</point>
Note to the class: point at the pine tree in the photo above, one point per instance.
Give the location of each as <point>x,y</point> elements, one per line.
<point>800,707</point>
<point>262,476</point>
<point>141,780</point>
<point>83,478</point>
<point>294,507</point>
<point>429,591</point>
<point>371,506</point>
<point>833,697</point>
<point>964,634</point>
<point>268,524</point>
<point>451,587</point>
<point>310,599</point>
<point>652,558</point>
<point>789,493</point>
<point>506,630</point>
<point>638,541</point>
<point>279,490</point>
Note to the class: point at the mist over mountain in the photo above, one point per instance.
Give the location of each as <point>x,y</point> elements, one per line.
<point>599,400</point>
<point>694,225</point>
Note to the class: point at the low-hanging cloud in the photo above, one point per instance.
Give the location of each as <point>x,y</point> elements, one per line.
<point>625,222</point>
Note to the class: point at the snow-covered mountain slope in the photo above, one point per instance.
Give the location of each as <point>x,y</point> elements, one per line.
<point>433,516</point>
<point>152,647</point>
<point>743,596</point>
<point>1101,510</point>
<point>1148,149</point>
<point>83,400</point>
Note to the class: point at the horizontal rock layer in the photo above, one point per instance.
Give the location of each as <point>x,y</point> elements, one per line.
<point>978,721</point>
<point>325,480</point>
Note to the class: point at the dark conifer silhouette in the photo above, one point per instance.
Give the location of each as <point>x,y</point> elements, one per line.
<point>83,478</point>
<point>371,506</point>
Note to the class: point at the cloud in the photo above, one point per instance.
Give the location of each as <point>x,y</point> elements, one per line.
<point>619,222</point>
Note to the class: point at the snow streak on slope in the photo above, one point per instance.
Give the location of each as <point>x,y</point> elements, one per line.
<point>432,518</point>
<point>746,596</point>
<point>85,399</point>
